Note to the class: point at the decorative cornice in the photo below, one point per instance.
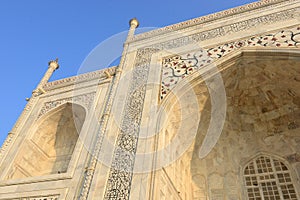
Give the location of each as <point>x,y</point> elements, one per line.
<point>84,99</point>
<point>210,18</point>
<point>228,29</point>
<point>99,74</point>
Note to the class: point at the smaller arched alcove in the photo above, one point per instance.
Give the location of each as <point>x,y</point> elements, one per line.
<point>50,148</point>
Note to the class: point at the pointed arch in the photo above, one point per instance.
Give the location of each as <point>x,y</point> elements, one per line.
<point>51,145</point>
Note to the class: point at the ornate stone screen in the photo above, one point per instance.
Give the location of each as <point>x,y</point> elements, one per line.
<point>267,178</point>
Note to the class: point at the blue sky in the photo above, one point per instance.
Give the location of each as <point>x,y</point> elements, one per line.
<point>34,32</point>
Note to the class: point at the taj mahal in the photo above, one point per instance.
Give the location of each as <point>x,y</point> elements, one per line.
<point>205,109</point>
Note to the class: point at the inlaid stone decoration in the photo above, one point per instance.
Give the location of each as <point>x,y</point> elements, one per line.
<point>178,67</point>
<point>283,38</point>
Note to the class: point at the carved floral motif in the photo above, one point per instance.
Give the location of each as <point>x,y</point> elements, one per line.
<point>120,175</point>
<point>283,38</point>
<point>176,68</point>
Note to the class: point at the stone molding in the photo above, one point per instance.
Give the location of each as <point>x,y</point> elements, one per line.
<point>100,74</point>
<point>50,197</point>
<point>6,143</point>
<point>228,29</point>
<point>209,18</point>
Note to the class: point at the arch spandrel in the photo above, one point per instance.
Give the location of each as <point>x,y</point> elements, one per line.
<point>178,67</point>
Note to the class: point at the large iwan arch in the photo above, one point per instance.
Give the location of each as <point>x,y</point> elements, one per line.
<point>262,109</point>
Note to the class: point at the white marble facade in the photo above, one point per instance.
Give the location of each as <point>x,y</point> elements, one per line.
<point>206,109</point>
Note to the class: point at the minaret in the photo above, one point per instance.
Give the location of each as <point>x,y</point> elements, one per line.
<point>52,66</point>
<point>133,23</point>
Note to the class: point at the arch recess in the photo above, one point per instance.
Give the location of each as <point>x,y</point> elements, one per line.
<point>262,109</point>
<point>49,148</point>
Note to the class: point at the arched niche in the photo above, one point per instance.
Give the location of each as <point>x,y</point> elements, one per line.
<point>48,150</point>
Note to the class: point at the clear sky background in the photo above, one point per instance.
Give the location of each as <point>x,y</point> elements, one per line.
<point>34,32</point>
